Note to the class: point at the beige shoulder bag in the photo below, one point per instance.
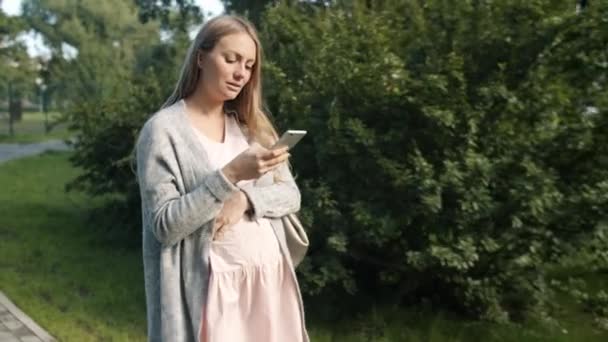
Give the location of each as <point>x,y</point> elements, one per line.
<point>295,235</point>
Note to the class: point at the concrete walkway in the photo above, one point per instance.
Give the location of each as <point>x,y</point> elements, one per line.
<point>16,326</point>
<point>13,151</point>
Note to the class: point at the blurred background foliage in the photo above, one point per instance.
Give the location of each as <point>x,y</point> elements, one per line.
<point>457,150</point>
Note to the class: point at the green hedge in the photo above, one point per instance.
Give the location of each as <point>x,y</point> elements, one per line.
<point>450,155</point>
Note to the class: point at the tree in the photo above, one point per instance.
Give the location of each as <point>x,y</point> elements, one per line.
<point>179,16</point>
<point>124,71</point>
<point>15,66</point>
<point>102,37</point>
<point>252,9</point>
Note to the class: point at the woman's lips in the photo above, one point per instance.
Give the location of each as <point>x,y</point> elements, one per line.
<point>233,87</point>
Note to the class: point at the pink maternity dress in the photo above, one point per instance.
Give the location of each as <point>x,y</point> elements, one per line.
<point>252,296</point>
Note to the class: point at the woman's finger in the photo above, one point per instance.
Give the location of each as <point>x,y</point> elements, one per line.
<point>268,169</point>
<point>272,154</point>
<point>278,160</point>
<point>220,221</point>
<point>264,167</point>
<point>216,232</point>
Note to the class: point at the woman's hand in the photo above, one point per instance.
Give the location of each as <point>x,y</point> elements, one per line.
<point>232,212</point>
<point>254,162</point>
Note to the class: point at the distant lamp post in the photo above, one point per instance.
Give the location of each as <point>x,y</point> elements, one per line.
<point>42,88</point>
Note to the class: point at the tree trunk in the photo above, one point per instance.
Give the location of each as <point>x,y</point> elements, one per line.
<point>15,108</point>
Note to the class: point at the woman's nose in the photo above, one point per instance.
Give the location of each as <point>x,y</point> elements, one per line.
<point>239,72</point>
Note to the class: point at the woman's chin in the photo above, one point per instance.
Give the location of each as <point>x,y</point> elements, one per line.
<point>230,96</point>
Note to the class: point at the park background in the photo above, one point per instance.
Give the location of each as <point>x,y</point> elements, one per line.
<point>454,181</point>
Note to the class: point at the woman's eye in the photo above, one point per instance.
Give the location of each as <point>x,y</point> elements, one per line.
<point>249,67</point>
<point>230,60</point>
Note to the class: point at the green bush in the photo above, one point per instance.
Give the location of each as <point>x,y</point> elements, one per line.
<point>106,130</point>
<point>449,153</point>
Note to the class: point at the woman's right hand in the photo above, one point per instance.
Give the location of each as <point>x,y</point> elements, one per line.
<point>254,162</point>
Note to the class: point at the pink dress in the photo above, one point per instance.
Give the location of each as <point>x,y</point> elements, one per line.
<point>252,296</point>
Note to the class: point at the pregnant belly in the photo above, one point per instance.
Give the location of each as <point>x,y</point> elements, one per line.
<point>246,244</point>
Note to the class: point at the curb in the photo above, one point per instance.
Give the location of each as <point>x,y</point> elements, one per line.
<point>24,319</point>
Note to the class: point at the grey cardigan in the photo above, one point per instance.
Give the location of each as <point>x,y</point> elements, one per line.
<point>181,196</point>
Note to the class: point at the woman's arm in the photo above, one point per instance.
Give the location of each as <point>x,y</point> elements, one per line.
<point>277,199</point>
<point>173,215</point>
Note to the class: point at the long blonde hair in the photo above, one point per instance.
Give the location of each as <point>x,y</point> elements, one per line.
<point>247,106</point>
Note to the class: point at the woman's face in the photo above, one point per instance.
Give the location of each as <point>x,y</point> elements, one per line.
<point>227,67</point>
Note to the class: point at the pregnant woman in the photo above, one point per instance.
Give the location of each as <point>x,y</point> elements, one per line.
<point>216,264</point>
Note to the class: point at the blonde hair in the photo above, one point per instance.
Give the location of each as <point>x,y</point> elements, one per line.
<point>247,106</point>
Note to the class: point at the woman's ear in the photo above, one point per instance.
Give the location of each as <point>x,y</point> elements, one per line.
<point>199,58</point>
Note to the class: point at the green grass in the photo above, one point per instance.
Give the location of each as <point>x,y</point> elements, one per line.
<point>67,275</point>
<point>55,265</point>
<point>390,324</point>
<point>31,129</point>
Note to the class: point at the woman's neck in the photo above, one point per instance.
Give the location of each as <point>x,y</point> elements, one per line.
<point>200,104</point>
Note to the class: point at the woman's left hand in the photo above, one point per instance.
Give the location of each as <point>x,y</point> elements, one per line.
<point>232,212</point>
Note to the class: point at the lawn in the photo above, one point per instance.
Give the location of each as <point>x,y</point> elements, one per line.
<point>53,263</point>
<point>31,128</point>
<point>68,276</point>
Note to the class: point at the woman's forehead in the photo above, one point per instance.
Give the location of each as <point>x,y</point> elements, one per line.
<point>240,43</point>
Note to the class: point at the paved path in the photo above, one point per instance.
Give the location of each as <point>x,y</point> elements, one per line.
<point>13,151</point>
<point>16,326</point>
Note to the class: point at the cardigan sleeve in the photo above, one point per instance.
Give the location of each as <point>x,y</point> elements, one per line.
<point>276,199</point>
<point>171,215</point>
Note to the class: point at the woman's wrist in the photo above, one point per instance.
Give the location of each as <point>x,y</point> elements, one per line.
<point>230,174</point>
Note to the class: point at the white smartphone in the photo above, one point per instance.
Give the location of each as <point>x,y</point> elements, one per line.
<point>289,139</point>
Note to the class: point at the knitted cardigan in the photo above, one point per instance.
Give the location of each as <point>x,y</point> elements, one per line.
<point>181,194</point>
